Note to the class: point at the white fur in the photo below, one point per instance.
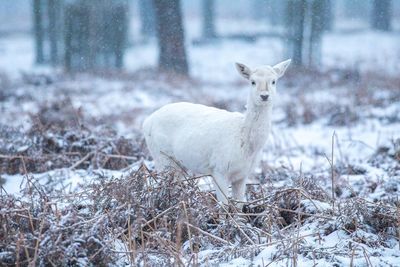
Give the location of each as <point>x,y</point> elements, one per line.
<point>207,140</point>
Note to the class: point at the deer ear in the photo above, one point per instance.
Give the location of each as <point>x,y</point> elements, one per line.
<point>280,68</point>
<point>243,70</point>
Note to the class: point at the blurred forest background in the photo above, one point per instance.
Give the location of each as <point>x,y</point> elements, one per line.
<point>87,35</point>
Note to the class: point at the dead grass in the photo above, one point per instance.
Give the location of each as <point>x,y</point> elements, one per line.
<point>156,219</point>
<point>58,138</point>
<point>355,93</point>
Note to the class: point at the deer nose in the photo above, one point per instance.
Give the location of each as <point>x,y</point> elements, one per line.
<point>264,97</point>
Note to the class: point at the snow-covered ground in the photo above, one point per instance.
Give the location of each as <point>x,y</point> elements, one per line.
<point>349,110</point>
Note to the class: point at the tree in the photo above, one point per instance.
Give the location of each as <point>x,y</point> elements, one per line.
<point>118,32</point>
<point>53,15</point>
<point>78,52</point>
<point>47,29</point>
<point>318,25</point>
<point>95,35</point>
<point>170,35</point>
<point>295,15</point>
<point>327,11</point>
<point>38,28</point>
<point>306,21</point>
<point>208,19</point>
<point>147,18</point>
<point>382,15</point>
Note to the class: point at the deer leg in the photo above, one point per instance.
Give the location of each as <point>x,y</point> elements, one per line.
<point>221,188</point>
<point>239,191</point>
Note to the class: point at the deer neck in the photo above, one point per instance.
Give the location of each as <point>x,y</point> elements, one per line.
<point>257,123</point>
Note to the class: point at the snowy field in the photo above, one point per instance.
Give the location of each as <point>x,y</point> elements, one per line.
<point>74,142</point>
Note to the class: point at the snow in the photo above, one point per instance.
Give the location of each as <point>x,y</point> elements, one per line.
<point>66,179</point>
<point>376,52</point>
<point>304,149</point>
<point>17,56</point>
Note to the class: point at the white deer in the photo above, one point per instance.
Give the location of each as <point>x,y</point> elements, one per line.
<point>206,140</point>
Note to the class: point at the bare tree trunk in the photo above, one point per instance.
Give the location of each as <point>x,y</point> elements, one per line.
<point>328,15</point>
<point>53,16</point>
<point>318,25</point>
<point>382,15</point>
<point>172,55</point>
<point>295,14</point>
<point>95,35</point>
<point>68,38</point>
<point>147,18</point>
<point>38,28</point>
<point>208,19</point>
<point>119,18</point>
<point>78,55</point>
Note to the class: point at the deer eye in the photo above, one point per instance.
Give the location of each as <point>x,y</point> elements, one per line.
<point>253,83</point>
<point>273,82</point>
